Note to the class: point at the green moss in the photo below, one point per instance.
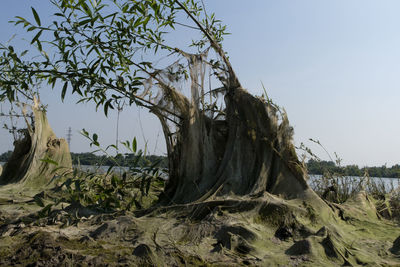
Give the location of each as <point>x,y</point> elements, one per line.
<point>274,214</point>
<point>360,239</point>
<point>311,213</point>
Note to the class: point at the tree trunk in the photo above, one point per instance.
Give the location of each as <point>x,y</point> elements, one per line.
<point>247,153</point>
<point>26,165</point>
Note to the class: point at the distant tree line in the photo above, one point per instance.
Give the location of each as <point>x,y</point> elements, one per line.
<point>313,166</point>
<point>321,167</point>
<point>126,160</point>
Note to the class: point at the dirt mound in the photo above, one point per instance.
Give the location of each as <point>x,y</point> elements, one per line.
<point>42,249</point>
<point>233,232</point>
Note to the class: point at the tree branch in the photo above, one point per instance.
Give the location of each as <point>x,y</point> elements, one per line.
<point>234,81</point>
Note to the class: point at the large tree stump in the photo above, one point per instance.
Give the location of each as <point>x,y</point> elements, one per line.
<point>27,164</point>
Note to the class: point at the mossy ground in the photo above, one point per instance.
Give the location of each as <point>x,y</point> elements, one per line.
<point>262,231</point>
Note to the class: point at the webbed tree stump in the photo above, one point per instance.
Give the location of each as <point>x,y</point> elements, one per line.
<point>243,148</point>
<point>38,143</point>
<point>246,154</point>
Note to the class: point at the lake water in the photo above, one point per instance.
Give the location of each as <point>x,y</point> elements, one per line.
<point>387,182</point>
<point>99,169</point>
<point>163,173</point>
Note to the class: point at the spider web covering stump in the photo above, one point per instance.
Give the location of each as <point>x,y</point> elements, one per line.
<point>242,148</point>
<point>237,193</point>
<point>29,164</point>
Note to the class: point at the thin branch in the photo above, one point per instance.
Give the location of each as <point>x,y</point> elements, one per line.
<point>181,24</point>
<point>148,105</point>
<point>15,115</point>
<point>233,78</point>
<point>205,12</point>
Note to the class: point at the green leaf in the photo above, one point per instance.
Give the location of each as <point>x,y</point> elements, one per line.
<point>137,158</point>
<point>95,137</point>
<point>64,90</point>
<point>142,184</point>
<point>114,181</point>
<point>156,163</point>
<point>138,22</point>
<point>86,8</point>
<point>45,211</point>
<point>36,36</point>
<point>137,204</point>
<point>39,44</point>
<point>148,186</point>
<point>109,169</point>
<point>134,145</point>
<point>67,183</point>
<point>125,8</point>
<point>77,186</point>
<point>50,161</point>
<point>146,21</point>
<point>35,14</point>
<point>112,146</point>
<point>85,133</point>
<point>84,22</point>
<point>38,201</point>
<point>107,105</point>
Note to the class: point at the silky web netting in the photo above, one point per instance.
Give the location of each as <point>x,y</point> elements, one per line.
<point>220,139</point>
<point>184,90</point>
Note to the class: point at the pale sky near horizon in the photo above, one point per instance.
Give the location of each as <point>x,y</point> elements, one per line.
<point>333,65</point>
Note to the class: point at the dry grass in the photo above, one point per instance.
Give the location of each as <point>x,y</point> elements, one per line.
<point>337,188</point>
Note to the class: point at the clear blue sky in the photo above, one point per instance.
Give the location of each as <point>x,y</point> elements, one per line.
<point>333,65</point>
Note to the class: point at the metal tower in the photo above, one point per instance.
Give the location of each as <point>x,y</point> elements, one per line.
<point>69,135</point>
